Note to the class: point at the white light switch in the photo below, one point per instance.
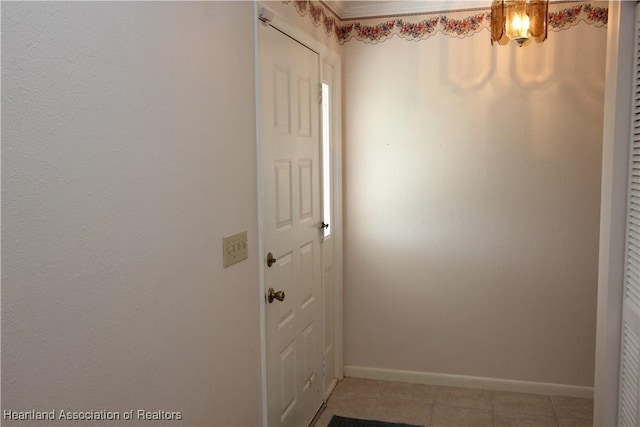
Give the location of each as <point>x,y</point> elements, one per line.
<point>234,249</point>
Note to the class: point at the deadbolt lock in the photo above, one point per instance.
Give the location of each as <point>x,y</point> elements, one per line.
<point>270,259</point>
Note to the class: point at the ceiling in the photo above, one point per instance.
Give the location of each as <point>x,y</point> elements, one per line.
<point>359,9</point>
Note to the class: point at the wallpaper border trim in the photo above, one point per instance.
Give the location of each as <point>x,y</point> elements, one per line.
<point>415,27</point>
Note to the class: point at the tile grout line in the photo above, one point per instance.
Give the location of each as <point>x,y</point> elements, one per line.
<point>555,413</point>
<point>433,407</point>
<point>493,406</point>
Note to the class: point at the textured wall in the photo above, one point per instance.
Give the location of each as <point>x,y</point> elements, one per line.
<point>128,151</point>
<point>472,179</point>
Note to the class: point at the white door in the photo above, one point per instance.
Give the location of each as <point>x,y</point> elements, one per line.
<point>629,397</point>
<point>290,153</point>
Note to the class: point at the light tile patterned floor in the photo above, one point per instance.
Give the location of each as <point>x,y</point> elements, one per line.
<point>434,406</point>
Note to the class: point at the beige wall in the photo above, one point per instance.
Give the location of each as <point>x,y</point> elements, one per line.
<point>472,179</point>
<point>128,151</point>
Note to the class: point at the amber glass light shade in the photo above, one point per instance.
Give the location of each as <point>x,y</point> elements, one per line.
<point>518,20</point>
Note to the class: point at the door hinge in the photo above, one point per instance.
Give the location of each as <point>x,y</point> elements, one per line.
<point>320,93</point>
<point>265,15</point>
<point>324,367</point>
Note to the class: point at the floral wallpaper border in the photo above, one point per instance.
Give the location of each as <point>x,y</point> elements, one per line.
<point>415,27</point>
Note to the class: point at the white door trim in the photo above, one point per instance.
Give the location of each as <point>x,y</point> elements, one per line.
<point>334,60</point>
<point>329,56</point>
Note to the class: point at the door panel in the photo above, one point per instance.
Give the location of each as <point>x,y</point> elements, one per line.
<point>282,196</point>
<point>304,107</point>
<point>290,156</point>
<point>306,190</point>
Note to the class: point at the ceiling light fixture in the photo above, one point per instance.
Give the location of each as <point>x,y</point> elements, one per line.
<point>519,20</point>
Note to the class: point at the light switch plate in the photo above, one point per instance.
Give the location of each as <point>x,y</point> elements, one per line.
<point>234,249</point>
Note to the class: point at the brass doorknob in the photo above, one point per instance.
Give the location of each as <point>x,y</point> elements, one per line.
<point>275,295</point>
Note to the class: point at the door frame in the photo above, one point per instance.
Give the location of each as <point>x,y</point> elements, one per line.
<point>326,55</point>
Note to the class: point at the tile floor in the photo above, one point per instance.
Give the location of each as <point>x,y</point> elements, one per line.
<point>436,406</point>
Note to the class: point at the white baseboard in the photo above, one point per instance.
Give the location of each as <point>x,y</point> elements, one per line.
<point>468,381</point>
<point>330,387</point>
